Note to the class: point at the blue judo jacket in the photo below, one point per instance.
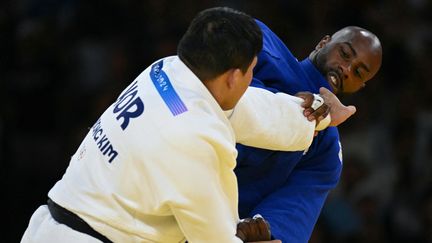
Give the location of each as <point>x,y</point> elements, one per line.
<point>288,188</point>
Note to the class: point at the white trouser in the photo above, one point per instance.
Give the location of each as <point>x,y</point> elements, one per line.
<point>43,228</point>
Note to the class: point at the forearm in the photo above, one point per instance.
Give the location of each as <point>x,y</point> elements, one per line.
<point>271,121</point>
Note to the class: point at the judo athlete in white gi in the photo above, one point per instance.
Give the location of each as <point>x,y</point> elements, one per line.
<point>157,166</point>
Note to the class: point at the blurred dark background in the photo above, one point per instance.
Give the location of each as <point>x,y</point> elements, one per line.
<point>62,62</point>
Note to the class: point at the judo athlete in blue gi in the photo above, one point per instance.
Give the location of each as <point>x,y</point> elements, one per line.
<point>289,188</point>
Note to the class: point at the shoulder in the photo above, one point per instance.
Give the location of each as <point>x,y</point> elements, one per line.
<point>271,41</point>
<point>274,49</point>
<point>263,26</point>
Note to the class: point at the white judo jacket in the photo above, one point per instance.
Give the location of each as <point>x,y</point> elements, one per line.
<point>157,166</point>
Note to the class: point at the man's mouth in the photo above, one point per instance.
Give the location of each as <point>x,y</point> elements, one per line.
<point>334,81</point>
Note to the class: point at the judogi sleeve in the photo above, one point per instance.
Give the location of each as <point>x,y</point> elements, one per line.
<point>272,121</point>
<point>293,210</point>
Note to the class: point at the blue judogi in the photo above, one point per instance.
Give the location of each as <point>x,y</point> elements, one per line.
<point>288,188</point>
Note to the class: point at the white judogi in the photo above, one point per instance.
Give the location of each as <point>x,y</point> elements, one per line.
<point>158,164</point>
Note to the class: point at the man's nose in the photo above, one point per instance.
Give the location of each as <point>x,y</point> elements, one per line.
<point>346,70</point>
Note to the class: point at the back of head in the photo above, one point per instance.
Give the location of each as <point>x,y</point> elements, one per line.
<point>219,39</point>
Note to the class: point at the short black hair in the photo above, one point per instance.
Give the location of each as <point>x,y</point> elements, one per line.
<point>219,39</point>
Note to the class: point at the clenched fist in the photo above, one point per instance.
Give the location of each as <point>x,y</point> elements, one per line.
<point>253,229</point>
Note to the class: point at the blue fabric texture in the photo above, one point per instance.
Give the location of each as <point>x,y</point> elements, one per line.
<point>288,188</point>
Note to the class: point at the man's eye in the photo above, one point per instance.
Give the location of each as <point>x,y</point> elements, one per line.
<point>357,73</point>
<point>344,54</point>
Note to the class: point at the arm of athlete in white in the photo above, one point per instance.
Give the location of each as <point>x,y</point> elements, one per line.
<point>275,120</point>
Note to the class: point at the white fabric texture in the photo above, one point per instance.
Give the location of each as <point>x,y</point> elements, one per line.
<point>272,121</point>
<point>43,228</point>
<point>160,177</point>
<point>172,176</point>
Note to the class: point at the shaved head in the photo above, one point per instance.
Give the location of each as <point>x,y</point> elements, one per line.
<point>354,32</point>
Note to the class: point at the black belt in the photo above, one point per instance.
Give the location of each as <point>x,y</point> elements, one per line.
<point>64,216</point>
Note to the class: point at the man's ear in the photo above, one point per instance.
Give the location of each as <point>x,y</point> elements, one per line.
<point>326,39</point>
<point>234,76</point>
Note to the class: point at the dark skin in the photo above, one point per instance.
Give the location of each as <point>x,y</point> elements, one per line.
<point>348,59</point>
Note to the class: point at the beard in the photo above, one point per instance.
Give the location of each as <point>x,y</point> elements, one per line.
<point>320,62</point>
<point>331,74</point>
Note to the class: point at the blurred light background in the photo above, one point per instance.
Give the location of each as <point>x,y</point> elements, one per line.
<point>62,62</point>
